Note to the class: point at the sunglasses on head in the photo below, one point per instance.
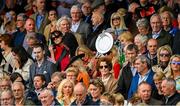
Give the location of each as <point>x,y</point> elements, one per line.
<point>164,55</point>
<point>103,66</point>
<point>175,63</point>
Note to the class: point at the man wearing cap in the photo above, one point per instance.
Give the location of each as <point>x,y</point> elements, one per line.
<point>99,6</point>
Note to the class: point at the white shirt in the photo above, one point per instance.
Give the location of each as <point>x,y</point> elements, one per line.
<point>143,78</point>
<point>156,35</point>
<point>75,26</point>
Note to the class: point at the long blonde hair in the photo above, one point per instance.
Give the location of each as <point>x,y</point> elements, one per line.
<point>122,23</point>
<point>60,94</point>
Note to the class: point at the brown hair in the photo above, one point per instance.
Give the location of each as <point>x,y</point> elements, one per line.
<point>98,83</point>
<point>6,38</point>
<point>104,59</point>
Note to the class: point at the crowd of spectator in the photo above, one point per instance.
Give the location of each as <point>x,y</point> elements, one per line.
<point>49,54</point>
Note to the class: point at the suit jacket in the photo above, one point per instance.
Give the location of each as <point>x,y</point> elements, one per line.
<point>176,44</point>
<point>111,85</point>
<point>124,81</point>
<point>33,96</point>
<point>85,103</point>
<point>93,36</point>
<point>153,61</point>
<point>153,101</point>
<point>84,29</point>
<point>135,80</point>
<point>47,68</point>
<point>173,100</point>
<point>43,24</point>
<point>18,38</point>
<point>164,38</point>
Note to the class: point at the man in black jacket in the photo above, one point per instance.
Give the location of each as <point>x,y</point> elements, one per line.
<point>128,71</point>
<point>171,97</point>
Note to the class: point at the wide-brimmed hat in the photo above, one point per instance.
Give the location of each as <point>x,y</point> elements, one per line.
<point>74,58</point>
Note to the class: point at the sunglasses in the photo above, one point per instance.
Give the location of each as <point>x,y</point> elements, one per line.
<point>55,37</point>
<point>175,63</point>
<point>101,67</point>
<point>164,55</point>
<point>116,18</point>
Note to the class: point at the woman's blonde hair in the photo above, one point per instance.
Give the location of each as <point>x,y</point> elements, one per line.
<point>119,99</point>
<point>72,69</point>
<point>127,36</point>
<point>84,49</point>
<point>172,57</point>
<point>60,94</point>
<point>165,47</point>
<point>122,23</point>
<point>158,76</point>
<point>60,20</point>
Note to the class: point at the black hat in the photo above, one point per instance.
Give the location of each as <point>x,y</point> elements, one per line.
<point>74,58</point>
<point>97,3</point>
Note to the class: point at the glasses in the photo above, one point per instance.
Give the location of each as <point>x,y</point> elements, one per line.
<point>116,18</point>
<point>164,55</point>
<point>175,63</point>
<point>55,37</point>
<point>101,67</point>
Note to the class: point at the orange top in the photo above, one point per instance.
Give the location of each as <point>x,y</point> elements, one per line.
<point>83,77</point>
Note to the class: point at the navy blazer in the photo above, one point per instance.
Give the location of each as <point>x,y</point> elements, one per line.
<point>135,80</point>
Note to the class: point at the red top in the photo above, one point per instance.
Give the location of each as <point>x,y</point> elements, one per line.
<point>116,69</point>
<point>66,59</point>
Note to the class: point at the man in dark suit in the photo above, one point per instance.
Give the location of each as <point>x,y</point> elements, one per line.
<point>163,37</point>
<point>78,25</point>
<point>171,96</point>
<point>41,66</point>
<point>176,44</point>
<point>86,10</point>
<point>98,26</point>
<point>128,71</point>
<point>81,97</point>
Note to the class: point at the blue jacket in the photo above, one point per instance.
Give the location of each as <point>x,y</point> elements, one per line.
<point>135,80</point>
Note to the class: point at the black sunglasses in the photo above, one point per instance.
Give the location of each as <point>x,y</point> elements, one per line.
<point>116,18</point>
<point>55,37</point>
<point>164,55</point>
<point>103,66</point>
